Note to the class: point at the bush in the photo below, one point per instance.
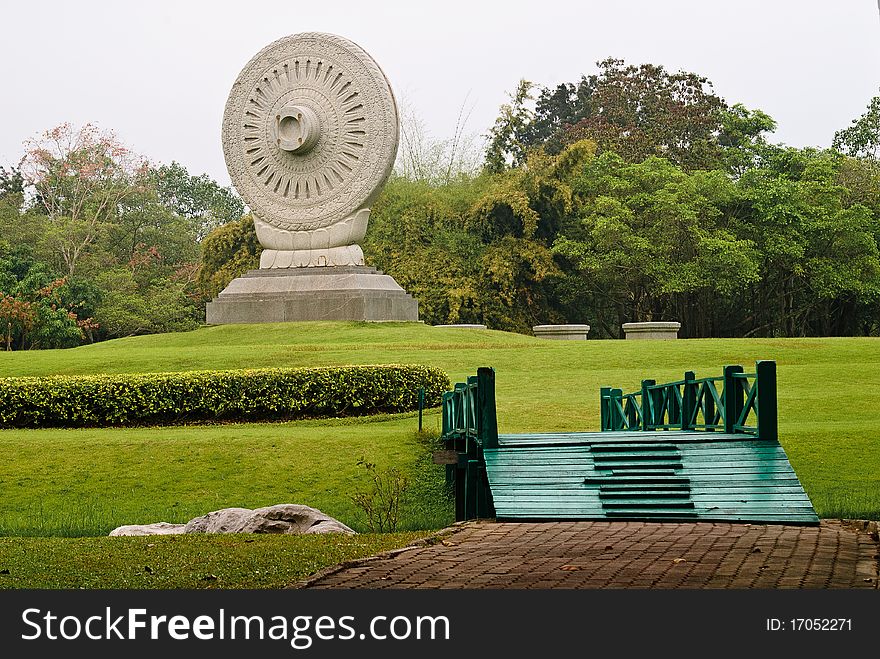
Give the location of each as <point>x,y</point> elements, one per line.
<point>166,398</point>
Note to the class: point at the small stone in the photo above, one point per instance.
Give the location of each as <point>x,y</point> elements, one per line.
<point>159,528</point>
<point>756,550</point>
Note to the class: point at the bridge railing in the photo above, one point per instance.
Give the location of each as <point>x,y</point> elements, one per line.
<point>745,403</point>
<point>469,426</point>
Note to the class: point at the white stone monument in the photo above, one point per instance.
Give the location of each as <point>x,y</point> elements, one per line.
<point>310,135</point>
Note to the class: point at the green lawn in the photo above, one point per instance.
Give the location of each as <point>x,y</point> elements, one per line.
<point>229,561</point>
<point>84,482</point>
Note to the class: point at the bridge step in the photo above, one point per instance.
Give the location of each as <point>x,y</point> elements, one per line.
<point>652,504</point>
<point>681,493</point>
<point>724,478</point>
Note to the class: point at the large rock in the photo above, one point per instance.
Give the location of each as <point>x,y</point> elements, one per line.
<point>289,518</point>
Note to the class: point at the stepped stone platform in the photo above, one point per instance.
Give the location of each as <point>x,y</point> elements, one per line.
<point>359,293</point>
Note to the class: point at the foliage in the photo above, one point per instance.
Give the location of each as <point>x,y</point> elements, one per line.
<point>820,257</point>
<point>11,181</point>
<point>477,250</point>
<point>651,241</point>
<point>635,111</point>
<point>862,138</point>
<point>80,177</point>
<point>677,209</point>
<point>199,199</point>
<point>39,311</point>
<point>380,502</point>
<point>228,252</point>
<point>506,145</point>
<point>122,235</point>
<point>156,398</point>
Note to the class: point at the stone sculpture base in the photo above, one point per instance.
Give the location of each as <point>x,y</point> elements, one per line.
<point>651,330</point>
<point>320,293</point>
<point>561,332</point>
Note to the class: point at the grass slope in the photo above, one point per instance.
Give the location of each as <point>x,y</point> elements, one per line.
<point>85,481</point>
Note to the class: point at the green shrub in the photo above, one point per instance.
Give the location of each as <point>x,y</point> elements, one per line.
<point>267,393</point>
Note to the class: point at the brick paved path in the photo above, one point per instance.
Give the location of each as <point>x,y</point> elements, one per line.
<point>487,554</point>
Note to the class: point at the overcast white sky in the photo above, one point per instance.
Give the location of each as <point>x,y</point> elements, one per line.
<point>158,72</point>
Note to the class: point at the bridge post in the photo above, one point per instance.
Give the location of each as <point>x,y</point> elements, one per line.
<point>487,420</point>
<point>688,400</point>
<point>733,397</point>
<point>471,489</point>
<point>647,405</point>
<point>765,412</point>
<point>605,408</point>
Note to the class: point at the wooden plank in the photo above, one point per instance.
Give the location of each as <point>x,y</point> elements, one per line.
<point>708,469</point>
<point>707,499</point>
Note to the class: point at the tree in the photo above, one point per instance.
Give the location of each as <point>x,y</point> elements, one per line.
<point>643,111</point>
<point>507,147</point>
<point>11,182</point>
<point>862,138</point>
<point>651,244</point>
<point>228,252</point>
<point>635,111</point>
<point>742,137</point>
<point>199,199</point>
<point>80,178</point>
<point>819,248</point>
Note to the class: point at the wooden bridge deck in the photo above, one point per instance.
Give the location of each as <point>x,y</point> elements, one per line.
<point>652,476</point>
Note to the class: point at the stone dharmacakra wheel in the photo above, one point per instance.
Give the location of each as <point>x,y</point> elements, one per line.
<point>310,135</point>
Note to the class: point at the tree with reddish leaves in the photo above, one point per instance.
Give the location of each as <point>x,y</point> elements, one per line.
<point>80,178</point>
<point>635,111</point>
<point>643,111</point>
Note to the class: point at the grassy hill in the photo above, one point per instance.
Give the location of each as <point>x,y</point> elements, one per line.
<point>81,482</point>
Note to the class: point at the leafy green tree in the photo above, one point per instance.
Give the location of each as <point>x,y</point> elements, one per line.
<point>129,307</point>
<point>862,138</point>
<point>506,145</point>
<point>651,243</point>
<point>477,250</point>
<point>417,234</point>
<point>819,250</point>
<point>199,199</point>
<point>742,137</point>
<point>228,252</point>
<point>11,182</point>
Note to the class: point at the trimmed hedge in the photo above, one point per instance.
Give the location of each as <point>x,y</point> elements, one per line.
<point>258,394</point>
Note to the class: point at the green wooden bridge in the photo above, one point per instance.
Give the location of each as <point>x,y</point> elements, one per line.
<point>698,449</point>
